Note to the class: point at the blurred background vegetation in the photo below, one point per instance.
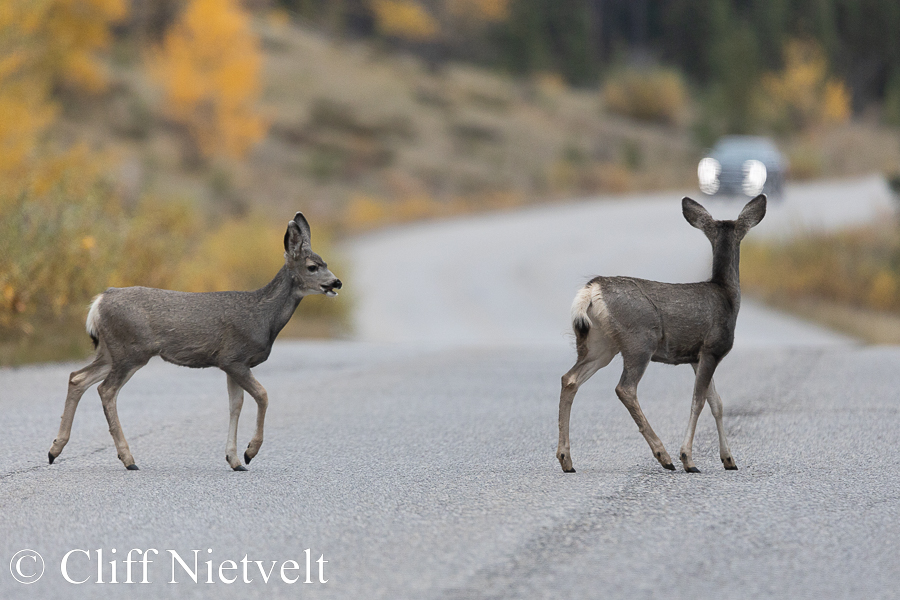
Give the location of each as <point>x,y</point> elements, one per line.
<point>166,142</point>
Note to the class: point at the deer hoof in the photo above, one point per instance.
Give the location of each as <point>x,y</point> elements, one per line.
<point>247,458</point>
<point>669,466</point>
<point>731,467</point>
<point>692,469</point>
<point>240,468</point>
<point>132,467</point>
<point>565,461</point>
<point>51,457</point>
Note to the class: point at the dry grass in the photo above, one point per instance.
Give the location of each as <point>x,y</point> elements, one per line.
<point>849,149</point>
<point>871,326</point>
<point>859,267</point>
<point>849,280</point>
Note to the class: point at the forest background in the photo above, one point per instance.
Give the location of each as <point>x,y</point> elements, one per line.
<point>166,142</point>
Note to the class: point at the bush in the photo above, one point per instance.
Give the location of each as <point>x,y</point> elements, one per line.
<point>654,95</point>
<point>859,267</point>
<point>805,162</point>
<point>802,95</point>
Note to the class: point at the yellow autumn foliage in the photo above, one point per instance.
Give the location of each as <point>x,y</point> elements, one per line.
<point>74,31</point>
<point>802,95</point>
<point>491,11</point>
<point>405,19</point>
<point>210,67</point>
<point>61,39</point>
<point>40,41</point>
<point>24,116</point>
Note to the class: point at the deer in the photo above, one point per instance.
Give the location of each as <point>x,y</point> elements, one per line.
<point>671,323</point>
<point>233,331</point>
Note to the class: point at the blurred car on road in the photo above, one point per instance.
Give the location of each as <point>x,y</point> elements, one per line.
<point>742,165</point>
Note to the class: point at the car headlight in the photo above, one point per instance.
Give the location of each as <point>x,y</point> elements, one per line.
<point>754,177</point>
<point>708,173</point>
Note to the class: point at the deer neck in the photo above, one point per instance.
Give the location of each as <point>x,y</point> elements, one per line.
<point>278,300</point>
<point>726,269</point>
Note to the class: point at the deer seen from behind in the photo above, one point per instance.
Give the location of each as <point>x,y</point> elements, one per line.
<point>672,323</point>
<point>233,331</point>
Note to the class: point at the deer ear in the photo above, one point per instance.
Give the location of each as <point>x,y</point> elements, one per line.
<point>751,215</point>
<point>697,216</point>
<point>294,242</point>
<point>296,238</point>
<point>302,223</point>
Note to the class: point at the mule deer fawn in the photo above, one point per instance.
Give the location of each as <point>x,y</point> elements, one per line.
<point>673,323</point>
<point>233,331</point>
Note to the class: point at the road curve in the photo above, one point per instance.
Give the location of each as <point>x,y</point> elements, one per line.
<point>511,277</point>
<point>425,468</point>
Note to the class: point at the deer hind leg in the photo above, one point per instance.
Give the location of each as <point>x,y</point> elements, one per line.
<point>109,393</point>
<point>715,405</point>
<point>235,403</point>
<point>245,379</point>
<point>702,384</point>
<point>79,382</point>
<point>595,350</point>
<point>634,367</point>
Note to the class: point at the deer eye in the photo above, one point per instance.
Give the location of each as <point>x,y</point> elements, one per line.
<point>312,268</point>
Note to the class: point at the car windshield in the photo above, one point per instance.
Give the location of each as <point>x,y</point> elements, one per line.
<point>739,147</point>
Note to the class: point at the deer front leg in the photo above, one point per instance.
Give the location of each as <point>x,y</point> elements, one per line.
<point>704,372</point>
<point>235,403</point>
<point>79,382</point>
<point>627,393</point>
<point>243,377</point>
<point>715,405</point>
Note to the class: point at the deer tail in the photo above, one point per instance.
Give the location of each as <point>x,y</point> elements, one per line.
<point>581,319</point>
<point>93,320</point>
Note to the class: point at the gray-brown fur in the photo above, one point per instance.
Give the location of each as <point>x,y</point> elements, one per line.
<point>233,331</point>
<point>671,323</point>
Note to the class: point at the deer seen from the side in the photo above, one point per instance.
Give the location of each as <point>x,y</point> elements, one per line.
<point>673,323</point>
<point>233,331</point>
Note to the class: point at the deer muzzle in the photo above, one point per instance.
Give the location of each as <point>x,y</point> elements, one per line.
<point>330,287</point>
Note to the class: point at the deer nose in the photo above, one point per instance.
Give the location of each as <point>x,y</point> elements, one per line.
<point>336,284</point>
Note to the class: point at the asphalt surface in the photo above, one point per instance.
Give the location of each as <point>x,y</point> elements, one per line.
<point>510,277</point>
<point>425,468</point>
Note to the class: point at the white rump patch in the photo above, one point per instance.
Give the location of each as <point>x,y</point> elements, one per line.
<point>93,318</point>
<point>588,307</point>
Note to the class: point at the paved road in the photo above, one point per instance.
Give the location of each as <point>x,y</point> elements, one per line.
<point>427,470</point>
<point>430,473</point>
<point>510,278</point>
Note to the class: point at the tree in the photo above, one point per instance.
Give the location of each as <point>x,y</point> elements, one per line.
<point>52,201</point>
<point>45,44</point>
<point>803,94</point>
<point>25,110</point>
<point>405,19</point>
<point>551,35</point>
<point>209,67</point>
